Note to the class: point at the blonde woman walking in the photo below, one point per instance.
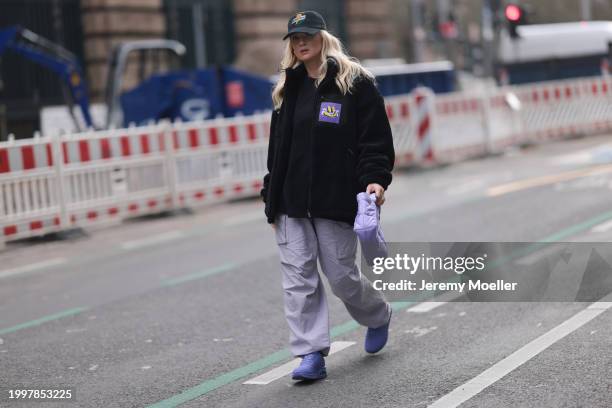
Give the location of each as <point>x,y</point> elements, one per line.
<point>329,140</point>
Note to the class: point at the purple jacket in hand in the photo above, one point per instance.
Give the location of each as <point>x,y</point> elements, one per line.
<point>367,227</point>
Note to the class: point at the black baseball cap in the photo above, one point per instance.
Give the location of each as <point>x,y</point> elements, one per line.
<point>309,22</point>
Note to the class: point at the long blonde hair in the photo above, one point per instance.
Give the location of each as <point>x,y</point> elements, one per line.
<point>349,67</point>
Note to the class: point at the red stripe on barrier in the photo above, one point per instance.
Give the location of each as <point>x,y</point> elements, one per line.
<point>257,185</point>
<point>568,92</point>
<point>604,87</point>
<point>557,93</point>
<point>198,195</point>
<point>168,201</point>
<point>133,207</point>
<point>152,203</point>
<point>73,218</point>
<point>535,96</point>
<point>92,215</point>
<point>162,142</point>
<point>34,225</point>
<point>444,108</point>
<point>213,137</point>
<point>251,131</point>
<point>49,150</point>
<point>113,211</point>
<point>389,112</point>
<point>10,230</point>
<point>175,140</point>
<point>238,188</point>
<point>125,145</point>
<point>27,155</point>
<point>423,127</point>
<point>545,95</point>
<point>594,89</point>
<point>105,150</point>
<point>65,152</point>
<point>182,198</point>
<point>219,191</point>
<point>144,144</point>
<point>56,221</point>
<point>193,138</point>
<point>474,104</point>
<point>233,134</point>
<point>83,150</point>
<point>4,161</point>
<point>404,110</point>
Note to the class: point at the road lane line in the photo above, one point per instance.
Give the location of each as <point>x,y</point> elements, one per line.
<point>199,275</point>
<point>31,267</point>
<point>153,240</point>
<point>576,228</point>
<point>546,180</point>
<point>436,302</point>
<point>241,372</point>
<point>287,368</point>
<point>603,227</point>
<point>471,388</point>
<point>44,319</point>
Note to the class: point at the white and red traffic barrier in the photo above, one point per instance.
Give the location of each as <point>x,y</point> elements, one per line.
<point>400,112</point>
<point>51,184</point>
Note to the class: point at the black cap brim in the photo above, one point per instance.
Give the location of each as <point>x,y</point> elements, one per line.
<point>308,30</point>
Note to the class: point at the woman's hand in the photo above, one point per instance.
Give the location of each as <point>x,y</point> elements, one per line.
<point>379,191</point>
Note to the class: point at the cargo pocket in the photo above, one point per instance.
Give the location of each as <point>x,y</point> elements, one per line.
<point>281,229</point>
<point>346,241</point>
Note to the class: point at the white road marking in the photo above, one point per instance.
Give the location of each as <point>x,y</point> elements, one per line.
<point>420,331</point>
<point>581,157</point>
<point>152,240</point>
<point>603,227</point>
<point>32,267</point>
<point>287,368</point>
<point>466,391</point>
<point>546,180</point>
<point>425,307</point>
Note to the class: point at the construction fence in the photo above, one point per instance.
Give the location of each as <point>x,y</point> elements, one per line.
<point>51,184</point>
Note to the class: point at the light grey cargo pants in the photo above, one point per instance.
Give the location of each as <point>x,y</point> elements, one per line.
<point>301,241</point>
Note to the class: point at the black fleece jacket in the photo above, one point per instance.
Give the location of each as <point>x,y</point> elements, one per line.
<point>351,146</point>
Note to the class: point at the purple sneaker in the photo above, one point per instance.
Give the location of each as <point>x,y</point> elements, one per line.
<point>312,367</point>
<point>377,338</point>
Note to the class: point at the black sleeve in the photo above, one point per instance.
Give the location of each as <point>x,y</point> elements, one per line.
<point>376,154</point>
<point>270,160</point>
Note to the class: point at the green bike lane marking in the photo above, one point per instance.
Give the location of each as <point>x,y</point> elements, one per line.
<point>251,368</point>
<point>279,356</point>
<point>347,327</point>
<point>44,319</point>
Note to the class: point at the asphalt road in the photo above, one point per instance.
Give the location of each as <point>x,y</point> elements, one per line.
<point>181,310</point>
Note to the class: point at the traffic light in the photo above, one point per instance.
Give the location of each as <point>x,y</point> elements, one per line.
<point>515,16</point>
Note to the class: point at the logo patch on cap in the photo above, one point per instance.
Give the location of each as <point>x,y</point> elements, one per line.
<point>330,112</point>
<point>299,17</point>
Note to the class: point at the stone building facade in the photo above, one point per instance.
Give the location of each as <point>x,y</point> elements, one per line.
<point>258,27</point>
